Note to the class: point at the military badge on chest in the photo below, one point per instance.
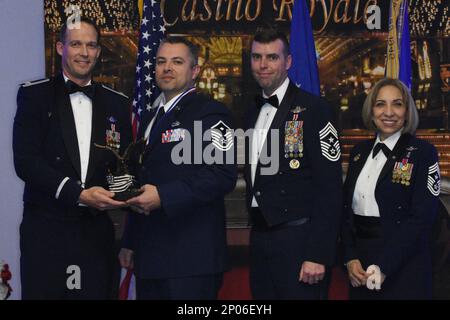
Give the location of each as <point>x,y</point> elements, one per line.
<point>293,139</point>
<point>402,172</point>
<point>112,136</point>
<point>173,135</point>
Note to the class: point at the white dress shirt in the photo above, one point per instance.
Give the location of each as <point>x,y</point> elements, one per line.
<point>82,113</point>
<point>261,129</point>
<point>364,202</point>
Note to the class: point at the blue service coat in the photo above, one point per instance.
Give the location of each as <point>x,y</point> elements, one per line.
<point>56,233</point>
<point>313,189</point>
<point>186,236</point>
<point>407,213</point>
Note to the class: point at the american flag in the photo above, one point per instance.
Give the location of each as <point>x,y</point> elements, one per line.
<point>151,32</point>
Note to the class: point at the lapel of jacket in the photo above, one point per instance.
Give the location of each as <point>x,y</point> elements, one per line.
<point>250,122</point>
<point>277,123</point>
<point>356,166</point>
<point>68,129</point>
<point>147,116</point>
<point>252,117</point>
<point>396,154</point>
<point>145,120</point>
<point>98,131</point>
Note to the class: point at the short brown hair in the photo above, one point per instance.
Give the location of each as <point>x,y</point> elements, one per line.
<point>193,49</point>
<point>63,31</point>
<point>267,35</point>
<point>412,116</point>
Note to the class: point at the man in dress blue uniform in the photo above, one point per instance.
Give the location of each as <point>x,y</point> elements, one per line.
<point>177,244</point>
<point>294,211</point>
<point>65,231</point>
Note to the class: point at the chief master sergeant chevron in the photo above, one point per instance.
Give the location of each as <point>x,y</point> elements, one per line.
<point>58,120</point>
<point>178,241</point>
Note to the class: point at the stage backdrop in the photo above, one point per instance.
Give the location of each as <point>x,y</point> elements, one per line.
<point>351,57</point>
<point>21,59</point>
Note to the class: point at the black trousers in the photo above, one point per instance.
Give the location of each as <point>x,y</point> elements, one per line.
<point>276,258</point>
<point>411,282</point>
<point>50,247</point>
<point>202,287</point>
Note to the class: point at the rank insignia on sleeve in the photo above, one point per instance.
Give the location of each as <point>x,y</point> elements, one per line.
<point>329,143</point>
<point>222,136</point>
<point>434,179</point>
<point>173,135</point>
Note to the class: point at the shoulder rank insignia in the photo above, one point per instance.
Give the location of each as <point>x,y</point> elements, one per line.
<point>297,109</point>
<point>221,136</point>
<point>112,90</point>
<point>434,180</point>
<point>32,83</point>
<point>329,142</point>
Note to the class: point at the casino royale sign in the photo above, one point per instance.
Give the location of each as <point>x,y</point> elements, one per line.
<point>242,16</point>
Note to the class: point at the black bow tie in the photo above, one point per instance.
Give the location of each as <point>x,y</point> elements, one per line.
<point>381,146</point>
<point>72,87</point>
<point>272,100</point>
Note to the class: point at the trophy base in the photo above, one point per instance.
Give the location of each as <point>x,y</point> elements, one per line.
<point>128,194</point>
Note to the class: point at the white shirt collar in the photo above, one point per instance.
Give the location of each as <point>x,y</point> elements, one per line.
<point>391,141</point>
<point>281,90</point>
<point>67,78</point>
<point>169,103</point>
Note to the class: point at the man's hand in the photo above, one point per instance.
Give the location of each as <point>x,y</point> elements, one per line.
<point>356,273</point>
<point>126,258</point>
<point>147,201</point>
<point>99,198</point>
<point>311,272</point>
